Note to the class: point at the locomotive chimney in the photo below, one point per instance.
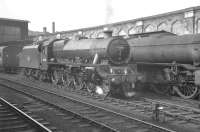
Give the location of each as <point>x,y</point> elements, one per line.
<point>44,30</point>
<point>107,33</point>
<point>53,27</point>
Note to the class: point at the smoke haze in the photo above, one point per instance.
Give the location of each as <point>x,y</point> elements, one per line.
<point>109,11</point>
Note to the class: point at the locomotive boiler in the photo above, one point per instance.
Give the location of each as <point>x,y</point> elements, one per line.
<point>97,65</point>
<point>114,50</point>
<point>168,63</point>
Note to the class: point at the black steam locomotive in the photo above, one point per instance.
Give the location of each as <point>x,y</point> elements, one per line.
<point>97,65</point>
<point>167,63</point>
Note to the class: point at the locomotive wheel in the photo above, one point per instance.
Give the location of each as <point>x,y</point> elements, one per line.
<point>79,84</point>
<point>71,84</point>
<point>90,87</point>
<point>41,76</point>
<point>69,81</point>
<point>106,89</point>
<point>186,91</point>
<point>55,77</point>
<point>24,72</point>
<point>36,74</point>
<point>27,72</point>
<point>31,74</point>
<point>160,88</point>
<point>66,80</point>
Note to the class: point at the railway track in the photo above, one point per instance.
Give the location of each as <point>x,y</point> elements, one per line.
<point>106,118</point>
<point>13,119</point>
<point>182,118</point>
<point>159,111</point>
<point>69,121</point>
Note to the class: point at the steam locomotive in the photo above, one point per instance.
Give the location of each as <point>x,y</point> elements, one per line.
<point>96,65</point>
<point>167,63</point>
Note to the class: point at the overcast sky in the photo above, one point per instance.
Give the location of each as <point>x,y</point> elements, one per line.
<point>74,14</point>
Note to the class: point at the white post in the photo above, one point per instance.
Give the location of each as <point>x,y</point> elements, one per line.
<point>96,57</point>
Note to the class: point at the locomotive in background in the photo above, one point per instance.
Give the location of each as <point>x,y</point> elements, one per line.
<point>9,60</point>
<point>9,54</point>
<point>97,65</point>
<point>167,63</point>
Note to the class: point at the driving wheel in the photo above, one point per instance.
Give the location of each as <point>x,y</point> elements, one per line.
<point>186,91</point>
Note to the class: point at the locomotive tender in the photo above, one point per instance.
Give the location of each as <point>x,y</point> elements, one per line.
<point>168,63</point>
<point>97,65</point>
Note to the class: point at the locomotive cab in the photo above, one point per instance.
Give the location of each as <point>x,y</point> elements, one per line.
<point>46,51</point>
<point>44,57</point>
